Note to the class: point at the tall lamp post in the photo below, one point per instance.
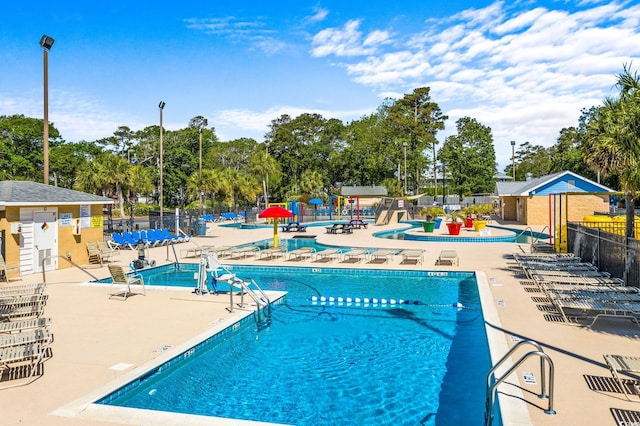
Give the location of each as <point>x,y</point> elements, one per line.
<point>46,42</point>
<point>161,106</point>
<point>513,159</point>
<point>404,146</point>
<point>200,129</point>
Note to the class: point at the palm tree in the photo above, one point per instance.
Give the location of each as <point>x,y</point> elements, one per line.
<point>265,167</point>
<point>214,182</point>
<point>613,139</point>
<point>139,182</point>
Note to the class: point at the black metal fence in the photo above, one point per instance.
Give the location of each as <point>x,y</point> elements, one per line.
<point>606,248</point>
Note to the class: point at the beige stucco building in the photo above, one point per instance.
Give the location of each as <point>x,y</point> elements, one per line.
<point>39,223</point>
<point>552,199</point>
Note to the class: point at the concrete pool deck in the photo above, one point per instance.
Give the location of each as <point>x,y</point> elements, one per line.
<point>99,341</point>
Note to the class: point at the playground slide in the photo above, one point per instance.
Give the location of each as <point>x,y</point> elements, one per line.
<point>382,219</point>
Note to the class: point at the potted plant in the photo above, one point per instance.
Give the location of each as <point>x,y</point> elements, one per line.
<point>429,214</point>
<point>482,212</point>
<point>469,212</point>
<point>456,217</point>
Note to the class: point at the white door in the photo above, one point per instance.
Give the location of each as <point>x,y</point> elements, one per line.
<point>45,240</point>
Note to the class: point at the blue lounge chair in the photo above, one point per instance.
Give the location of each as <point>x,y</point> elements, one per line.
<point>131,240</point>
<point>119,241</point>
<point>170,236</point>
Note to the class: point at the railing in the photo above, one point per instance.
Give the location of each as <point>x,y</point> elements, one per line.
<point>261,300</point>
<point>491,388</point>
<point>44,274</point>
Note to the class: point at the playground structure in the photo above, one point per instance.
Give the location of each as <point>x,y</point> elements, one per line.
<point>294,206</point>
<point>344,205</point>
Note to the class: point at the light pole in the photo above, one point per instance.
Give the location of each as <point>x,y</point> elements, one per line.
<point>513,159</point>
<point>46,42</point>
<point>266,179</point>
<point>404,146</point>
<point>200,129</point>
<point>161,106</point>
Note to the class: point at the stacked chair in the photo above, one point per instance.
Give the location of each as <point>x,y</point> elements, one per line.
<point>578,291</point>
<point>25,337</point>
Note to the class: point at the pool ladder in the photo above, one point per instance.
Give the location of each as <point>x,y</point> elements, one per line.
<point>492,388</point>
<point>262,314</point>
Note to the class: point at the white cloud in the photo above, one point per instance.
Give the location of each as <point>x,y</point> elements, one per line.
<point>347,41</point>
<point>525,73</point>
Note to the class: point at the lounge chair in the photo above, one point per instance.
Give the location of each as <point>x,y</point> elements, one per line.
<point>302,253</point>
<point>448,257</point>
<point>22,290</point>
<point>595,309</point>
<point>94,252</point>
<point>273,252</point>
<point>354,255</point>
<point>574,279</point>
<point>37,335</point>
<point>118,241</point>
<point>6,269</point>
<point>243,252</point>
<point>31,306</point>
<point>414,257</point>
<point>628,365</point>
<point>106,252</point>
<point>121,278</point>
<point>381,256</point>
<point>24,324</point>
<point>327,255</point>
<point>28,356</point>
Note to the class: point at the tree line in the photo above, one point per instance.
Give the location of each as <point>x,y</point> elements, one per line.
<point>312,156</point>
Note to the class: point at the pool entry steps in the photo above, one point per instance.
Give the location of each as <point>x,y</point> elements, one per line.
<point>209,264</point>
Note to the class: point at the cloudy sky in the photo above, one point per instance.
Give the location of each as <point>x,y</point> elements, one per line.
<point>526,68</point>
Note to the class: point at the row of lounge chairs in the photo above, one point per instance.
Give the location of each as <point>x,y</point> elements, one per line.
<point>25,337</point>
<point>345,255</point>
<point>578,291</point>
<point>148,238</point>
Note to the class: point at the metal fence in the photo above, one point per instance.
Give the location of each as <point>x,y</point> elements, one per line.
<point>609,251</point>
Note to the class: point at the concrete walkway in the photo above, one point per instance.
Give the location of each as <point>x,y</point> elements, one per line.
<point>99,341</point>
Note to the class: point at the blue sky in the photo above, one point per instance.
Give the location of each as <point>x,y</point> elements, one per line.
<point>526,68</point>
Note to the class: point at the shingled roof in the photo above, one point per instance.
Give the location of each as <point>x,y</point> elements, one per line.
<point>27,193</point>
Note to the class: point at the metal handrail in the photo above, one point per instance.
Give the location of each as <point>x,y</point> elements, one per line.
<point>491,388</point>
<point>68,259</point>
<point>244,288</point>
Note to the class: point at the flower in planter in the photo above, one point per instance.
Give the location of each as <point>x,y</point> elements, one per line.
<point>431,212</point>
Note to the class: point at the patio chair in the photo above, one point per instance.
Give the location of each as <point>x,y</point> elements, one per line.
<point>448,257</point>
<point>94,252</point>
<point>628,365</point>
<point>125,281</point>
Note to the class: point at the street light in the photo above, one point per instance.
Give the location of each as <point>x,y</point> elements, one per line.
<point>404,145</point>
<point>46,42</point>
<point>161,106</point>
<point>513,159</point>
<point>200,129</point>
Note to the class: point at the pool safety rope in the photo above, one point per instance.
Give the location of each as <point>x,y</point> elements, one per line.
<point>365,301</point>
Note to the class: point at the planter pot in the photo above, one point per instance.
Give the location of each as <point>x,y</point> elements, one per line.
<point>428,226</point>
<point>438,221</point>
<point>479,225</point>
<point>454,228</point>
<point>468,223</point>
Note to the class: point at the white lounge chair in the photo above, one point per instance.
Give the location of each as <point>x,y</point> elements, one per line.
<point>355,255</point>
<point>412,256</point>
<point>21,362</point>
<point>125,281</point>
<point>302,253</point>
<point>448,257</point>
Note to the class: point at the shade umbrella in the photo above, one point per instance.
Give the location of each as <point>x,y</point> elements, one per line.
<point>315,202</point>
<point>275,213</point>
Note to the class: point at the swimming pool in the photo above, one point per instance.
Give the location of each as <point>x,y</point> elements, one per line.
<point>414,363</point>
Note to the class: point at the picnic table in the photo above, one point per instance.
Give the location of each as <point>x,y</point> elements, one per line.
<point>358,223</point>
<point>293,226</point>
<point>342,228</point>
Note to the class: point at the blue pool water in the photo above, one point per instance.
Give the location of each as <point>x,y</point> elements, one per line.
<point>319,364</point>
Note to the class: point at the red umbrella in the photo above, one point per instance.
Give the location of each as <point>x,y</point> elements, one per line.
<point>275,212</point>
